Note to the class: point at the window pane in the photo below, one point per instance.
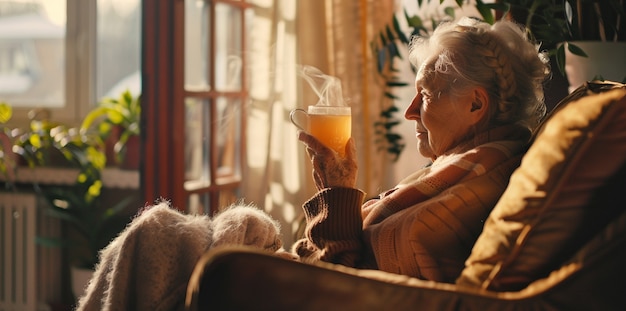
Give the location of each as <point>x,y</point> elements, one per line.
<point>197,116</point>
<point>226,147</point>
<point>198,203</point>
<point>32,36</point>
<point>227,198</point>
<point>197,53</point>
<point>228,47</point>
<point>228,138</point>
<point>209,203</point>
<point>118,47</point>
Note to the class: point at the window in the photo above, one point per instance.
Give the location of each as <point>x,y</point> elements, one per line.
<point>118,52</point>
<point>64,55</point>
<point>32,37</point>
<point>196,135</point>
<point>214,95</point>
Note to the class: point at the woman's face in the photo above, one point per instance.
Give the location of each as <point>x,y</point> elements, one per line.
<point>441,121</point>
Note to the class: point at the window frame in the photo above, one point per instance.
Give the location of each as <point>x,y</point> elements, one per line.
<point>163,63</point>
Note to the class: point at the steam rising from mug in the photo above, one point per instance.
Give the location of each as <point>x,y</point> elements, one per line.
<point>327,88</point>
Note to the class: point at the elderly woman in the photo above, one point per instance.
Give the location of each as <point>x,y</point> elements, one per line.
<point>479,95</point>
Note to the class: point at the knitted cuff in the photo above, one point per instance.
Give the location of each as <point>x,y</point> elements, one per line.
<point>335,213</point>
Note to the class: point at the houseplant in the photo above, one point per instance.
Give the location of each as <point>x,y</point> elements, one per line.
<point>117,120</point>
<point>49,144</point>
<point>88,225</point>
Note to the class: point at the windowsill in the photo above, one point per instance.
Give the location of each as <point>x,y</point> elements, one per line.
<point>111,177</point>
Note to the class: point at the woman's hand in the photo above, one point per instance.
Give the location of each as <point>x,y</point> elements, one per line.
<point>330,169</point>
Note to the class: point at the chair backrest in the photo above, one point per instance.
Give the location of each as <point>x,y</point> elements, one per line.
<point>557,199</point>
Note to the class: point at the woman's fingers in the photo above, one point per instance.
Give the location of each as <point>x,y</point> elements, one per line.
<point>330,169</point>
<point>312,143</point>
<point>350,149</point>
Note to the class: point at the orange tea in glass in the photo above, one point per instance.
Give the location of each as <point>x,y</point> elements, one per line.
<point>331,125</point>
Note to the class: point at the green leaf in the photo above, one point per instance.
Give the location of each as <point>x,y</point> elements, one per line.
<point>5,112</point>
<point>393,137</point>
<point>126,98</point>
<point>117,208</point>
<point>52,242</point>
<point>93,116</point>
<point>386,114</point>
<point>414,21</point>
<point>383,39</point>
<point>391,95</point>
<point>390,125</point>
<point>576,50</point>
<point>396,26</point>
<point>393,50</point>
<point>485,12</point>
<point>393,109</point>
<point>396,84</point>
<point>390,34</point>
<point>560,58</point>
<point>449,11</point>
<point>381,58</point>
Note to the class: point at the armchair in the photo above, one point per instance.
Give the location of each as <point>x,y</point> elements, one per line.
<point>556,240</point>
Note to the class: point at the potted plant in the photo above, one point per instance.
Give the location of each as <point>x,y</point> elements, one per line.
<point>88,225</point>
<point>89,220</point>
<point>49,144</point>
<point>117,120</point>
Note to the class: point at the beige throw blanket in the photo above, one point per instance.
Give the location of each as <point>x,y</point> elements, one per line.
<point>147,267</point>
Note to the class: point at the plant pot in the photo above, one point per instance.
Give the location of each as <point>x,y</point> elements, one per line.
<point>131,153</point>
<point>109,145</point>
<point>605,59</point>
<point>80,280</point>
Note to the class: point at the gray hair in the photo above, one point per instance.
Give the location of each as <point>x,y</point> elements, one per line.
<point>498,57</point>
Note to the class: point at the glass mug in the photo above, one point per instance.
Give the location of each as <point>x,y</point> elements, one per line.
<point>331,125</point>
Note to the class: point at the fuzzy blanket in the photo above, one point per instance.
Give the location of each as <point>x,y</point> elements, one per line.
<point>147,267</point>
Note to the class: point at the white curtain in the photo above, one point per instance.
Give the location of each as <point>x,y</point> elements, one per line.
<point>334,36</point>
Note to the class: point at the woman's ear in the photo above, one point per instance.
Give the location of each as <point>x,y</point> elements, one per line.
<point>480,105</point>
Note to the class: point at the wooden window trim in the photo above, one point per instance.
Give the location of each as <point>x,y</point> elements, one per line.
<point>163,96</point>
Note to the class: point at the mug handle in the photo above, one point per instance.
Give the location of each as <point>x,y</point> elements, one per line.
<point>292,117</point>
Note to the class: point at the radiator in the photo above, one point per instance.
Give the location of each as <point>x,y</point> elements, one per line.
<point>29,274</point>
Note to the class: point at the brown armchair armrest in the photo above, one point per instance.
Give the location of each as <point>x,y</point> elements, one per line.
<point>240,278</point>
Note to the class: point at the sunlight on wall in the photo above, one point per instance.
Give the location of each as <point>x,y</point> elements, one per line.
<point>288,211</point>
<point>274,158</point>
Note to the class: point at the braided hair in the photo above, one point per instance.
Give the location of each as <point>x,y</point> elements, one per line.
<point>499,58</point>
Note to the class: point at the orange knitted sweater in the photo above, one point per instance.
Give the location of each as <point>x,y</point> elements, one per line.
<point>424,227</point>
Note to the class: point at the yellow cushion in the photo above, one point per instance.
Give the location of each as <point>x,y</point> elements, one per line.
<point>552,204</point>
